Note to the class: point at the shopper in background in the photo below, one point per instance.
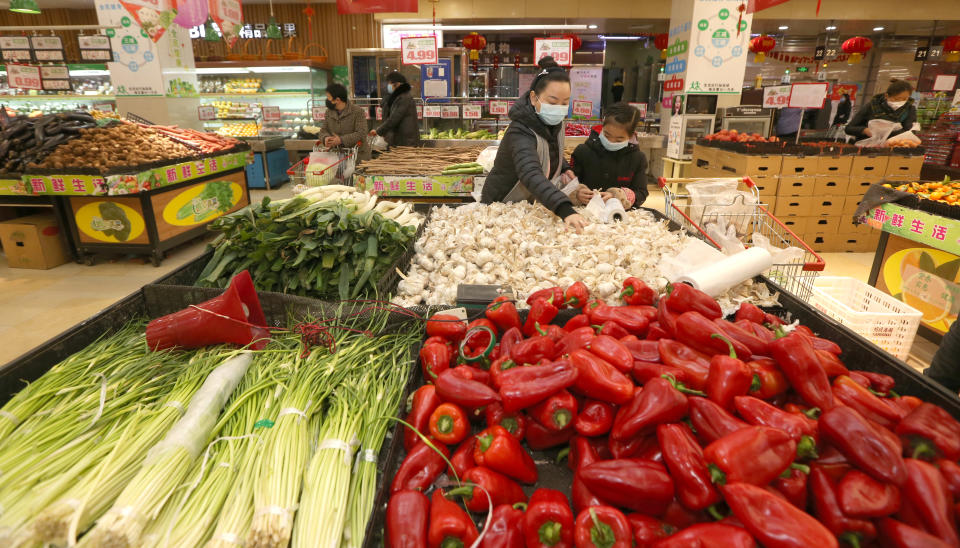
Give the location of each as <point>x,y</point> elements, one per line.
<point>609,163</point>
<point>345,124</point>
<point>616,90</point>
<point>895,105</point>
<point>945,366</point>
<point>788,123</point>
<point>844,108</point>
<point>530,163</point>
<point>400,127</point>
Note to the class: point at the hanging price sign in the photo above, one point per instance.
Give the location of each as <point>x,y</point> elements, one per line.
<point>472,112</point>
<point>206,112</point>
<point>271,114</point>
<point>561,49</point>
<point>499,108</point>
<point>808,95</point>
<point>15,48</point>
<point>450,112</point>
<point>95,48</point>
<point>47,48</point>
<point>24,76</point>
<point>419,50</point>
<point>582,108</point>
<point>431,111</point>
<point>55,77</point>
<point>419,112</point>
<point>318,113</point>
<point>776,96</point>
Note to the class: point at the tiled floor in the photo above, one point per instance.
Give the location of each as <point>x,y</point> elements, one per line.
<point>36,305</point>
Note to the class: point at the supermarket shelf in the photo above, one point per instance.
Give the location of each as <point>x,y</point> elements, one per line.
<point>57,98</point>
<point>242,66</point>
<point>259,94</point>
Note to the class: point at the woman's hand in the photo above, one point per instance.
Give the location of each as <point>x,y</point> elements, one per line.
<point>575,222</point>
<point>606,196</point>
<point>584,194</point>
<point>568,176</point>
<point>868,133</point>
<point>373,133</point>
<point>332,141</point>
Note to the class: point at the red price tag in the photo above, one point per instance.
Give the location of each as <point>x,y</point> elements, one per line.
<point>450,112</point>
<point>582,108</point>
<point>206,112</point>
<point>431,111</point>
<point>499,108</point>
<point>318,113</point>
<point>472,112</point>
<point>24,76</point>
<point>419,50</point>
<point>419,112</point>
<point>561,49</point>
<point>271,114</point>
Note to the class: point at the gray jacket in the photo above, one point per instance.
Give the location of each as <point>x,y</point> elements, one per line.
<point>350,125</point>
<point>400,126</point>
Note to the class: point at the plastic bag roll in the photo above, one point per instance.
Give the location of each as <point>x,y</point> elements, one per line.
<point>718,277</point>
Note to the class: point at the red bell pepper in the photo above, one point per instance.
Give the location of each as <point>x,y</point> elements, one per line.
<point>599,380</point>
<point>641,485</point>
<point>424,401</point>
<point>637,293</point>
<point>646,350</point>
<point>758,330</point>
<point>930,431</point>
<point>878,381</point>
<point>454,388</point>
<point>498,366</point>
<point>557,411</point>
<point>773,521</point>
<point>772,381</point>
<point>853,395</point>
<point>826,506</point>
<point>861,496</point>
<point>542,312</point>
<point>576,322</point>
<point>577,338</point>
<point>555,332</point>
<point>522,387</point>
<point>548,521</point>
<point>480,482</point>
<point>685,298</point>
<point>772,321</point>
<point>684,458</point>
<point>647,529</point>
<point>435,359</point>
<point>643,372</point>
<point>634,319</point>
<point>533,350</point>
<point>823,344</point>
<point>950,471</point>
<point>760,413</point>
<point>462,458</point>
<point>602,527</point>
<point>680,517</point>
<point>508,340</point>
<point>831,364</point>
<point>594,419</point>
<point>637,447</point>
<point>447,326</point>
<point>897,534</point>
<point>449,424</point>
<point>613,351</point>
<point>696,331</point>
<point>657,403</point>
<point>553,295</point>
<point>793,487</point>
<point>498,450</point>
<point>756,455</point>
<point>420,467</point>
<point>503,313</point>
<point>515,422</point>
<point>408,516</point>
<point>868,446</point>
<point>473,373</point>
<point>582,453</point>
<point>655,332</point>
<point>800,364</point>
<point>749,312</point>
<point>450,525</point>
<point>695,363</point>
<point>506,527</point>
<point>577,295</point>
<point>928,495</point>
<point>711,421</point>
<point>613,329</point>
<point>666,318</point>
<point>757,346</point>
<point>540,437</point>
<point>709,535</point>
<point>728,377</point>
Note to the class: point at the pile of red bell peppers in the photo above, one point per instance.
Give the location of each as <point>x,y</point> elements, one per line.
<point>682,429</point>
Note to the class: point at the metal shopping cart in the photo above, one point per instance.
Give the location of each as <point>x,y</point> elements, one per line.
<point>748,215</point>
<point>337,168</point>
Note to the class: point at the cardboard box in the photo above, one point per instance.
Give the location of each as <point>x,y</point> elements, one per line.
<point>707,155</point>
<point>797,224</point>
<point>904,167</point>
<point>834,243</point>
<point>834,166</point>
<point>869,166</point>
<point>799,166</point>
<point>850,205</point>
<point>753,165</point>
<point>826,206</point>
<point>859,185</point>
<point>33,242</point>
<point>766,186</point>
<point>830,185</point>
<point>826,225</point>
<point>796,186</point>
<point>769,202</point>
<point>793,206</point>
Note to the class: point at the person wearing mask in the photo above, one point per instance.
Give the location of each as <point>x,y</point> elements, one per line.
<point>345,123</point>
<point>400,127</point>
<point>844,107</point>
<point>529,163</point>
<point>609,163</point>
<point>894,105</point>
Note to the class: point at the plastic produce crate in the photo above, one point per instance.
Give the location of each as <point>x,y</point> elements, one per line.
<point>884,320</point>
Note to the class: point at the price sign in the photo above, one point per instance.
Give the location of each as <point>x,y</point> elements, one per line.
<point>24,76</point>
<point>271,114</point>
<point>55,77</point>
<point>561,49</point>
<point>379,113</point>
<point>419,112</point>
<point>945,82</point>
<point>419,50</point>
<point>318,113</point>
<point>499,108</point>
<point>47,48</point>
<point>642,107</point>
<point>808,95</point>
<point>432,111</point>
<point>206,112</point>
<point>582,108</point>
<point>14,42</point>
<point>95,48</point>
<point>776,96</point>
<point>103,107</point>
<point>472,112</point>
<point>449,112</point>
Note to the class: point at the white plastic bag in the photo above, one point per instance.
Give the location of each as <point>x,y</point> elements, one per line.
<point>716,198</point>
<point>879,131</point>
<point>694,254</point>
<point>725,234</point>
<point>318,171</point>
<point>377,142</point>
<point>486,158</point>
<point>785,255</point>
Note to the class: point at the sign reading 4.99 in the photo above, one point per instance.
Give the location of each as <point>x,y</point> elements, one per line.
<point>419,50</point>
<point>561,49</point>
<point>24,76</point>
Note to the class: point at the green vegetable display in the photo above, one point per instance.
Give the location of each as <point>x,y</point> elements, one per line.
<point>469,168</point>
<point>459,133</point>
<point>204,205</point>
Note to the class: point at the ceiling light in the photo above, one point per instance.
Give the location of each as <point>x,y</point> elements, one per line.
<point>878,29</point>
<point>831,27</point>
<point>607,37</point>
<point>422,26</point>
<point>783,27</point>
<point>591,27</point>
<point>24,6</point>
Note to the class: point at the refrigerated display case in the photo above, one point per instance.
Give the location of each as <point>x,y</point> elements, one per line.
<point>89,89</point>
<point>746,119</point>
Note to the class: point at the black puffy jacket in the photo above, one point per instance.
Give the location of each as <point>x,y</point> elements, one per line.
<point>600,169</point>
<point>400,126</point>
<point>517,160</point>
<point>878,108</point>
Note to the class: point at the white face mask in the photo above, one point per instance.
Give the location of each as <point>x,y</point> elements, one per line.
<point>552,114</point>
<point>389,88</point>
<point>896,104</point>
<point>610,145</point>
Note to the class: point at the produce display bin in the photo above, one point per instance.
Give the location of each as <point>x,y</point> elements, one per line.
<point>456,187</point>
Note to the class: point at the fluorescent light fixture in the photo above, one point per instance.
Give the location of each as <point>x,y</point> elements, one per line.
<point>878,29</point>
<point>832,27</point>
<point>277,70</point>
<point>222,70</point>
<point>422,26</point>
<point>89,72</point>
<point>591,27</point>
<point>783,27</point>
<point>608,37</point>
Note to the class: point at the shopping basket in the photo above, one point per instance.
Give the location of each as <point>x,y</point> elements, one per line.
<point>749,216</point>
<point>340,171</point>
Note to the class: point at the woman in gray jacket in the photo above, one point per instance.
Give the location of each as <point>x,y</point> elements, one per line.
<point>400,127</point>
<point>345,123</point>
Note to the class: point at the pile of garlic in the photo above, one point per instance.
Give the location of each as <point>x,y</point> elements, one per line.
<point>527,247</point>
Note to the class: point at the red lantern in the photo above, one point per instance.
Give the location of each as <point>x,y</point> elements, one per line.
<point>474,42</point>
<point>516,63</point>
<point>661,41</point>
<point>951,49</point>
<point>761,45</point>
<point>575,40</point>
<point>856,47</point>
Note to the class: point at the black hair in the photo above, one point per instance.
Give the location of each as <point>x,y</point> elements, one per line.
<point>396,78</point>
<point>550,72</point>
<point>337,91</point>
<point>897,87</point>
<point>623,115</point>
<point>846,96</point>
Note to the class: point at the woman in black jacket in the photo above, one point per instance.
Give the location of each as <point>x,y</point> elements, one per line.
<point>529,163</point>
<point>609,163</point>
<point>400,127</point>
<point>895,105</point>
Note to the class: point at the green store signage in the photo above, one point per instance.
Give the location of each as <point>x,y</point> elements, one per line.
<point>398,185</point>
<point>926,228</point>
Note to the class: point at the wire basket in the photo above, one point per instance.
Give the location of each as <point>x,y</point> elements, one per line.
<point>340,171</point>
<point>749,216</point>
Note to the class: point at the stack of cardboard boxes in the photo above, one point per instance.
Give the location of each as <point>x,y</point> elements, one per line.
<point>814,196</point>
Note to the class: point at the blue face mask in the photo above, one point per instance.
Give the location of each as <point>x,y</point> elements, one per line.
<point>610,145</point>
<point>389,88</point>
<point>552,114</point>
